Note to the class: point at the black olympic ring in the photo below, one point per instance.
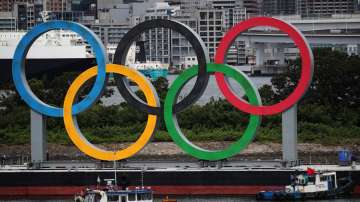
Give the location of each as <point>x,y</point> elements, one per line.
<point>201,54</point>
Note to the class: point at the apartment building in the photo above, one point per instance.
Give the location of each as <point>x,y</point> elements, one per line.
<point>279,7</point>
<point>321,8</point>
<point>7,21</point>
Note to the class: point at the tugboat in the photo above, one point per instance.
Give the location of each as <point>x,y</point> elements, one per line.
<point>311,185</point>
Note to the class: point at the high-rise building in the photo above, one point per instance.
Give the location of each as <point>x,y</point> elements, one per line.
<point>8,5</point>
<point>234,16</point>
<point>58,5</point>
<point>24,11</point>
<point>252,7</point>
<point>165,45</point>
<point>89,7</point>
<point>279,7</point>
<point>321,8</point>
<point>181,49</point>
<point>117,13</point>
<point>157,41</point>
<point>211,28</point>
<point>110,33</point>
<point>213,23</point>
<point>38,8</point>
<point>236,54</point>
<point>5,6</point>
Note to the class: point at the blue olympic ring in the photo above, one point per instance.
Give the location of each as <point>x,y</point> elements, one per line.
<point>18,67</point>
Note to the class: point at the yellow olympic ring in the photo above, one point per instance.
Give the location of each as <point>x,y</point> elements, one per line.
<point>78,138</point>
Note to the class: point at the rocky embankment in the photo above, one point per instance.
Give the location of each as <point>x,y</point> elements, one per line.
<point>168,151</point>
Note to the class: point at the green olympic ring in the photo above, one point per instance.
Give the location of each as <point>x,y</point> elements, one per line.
<point>180,139</point>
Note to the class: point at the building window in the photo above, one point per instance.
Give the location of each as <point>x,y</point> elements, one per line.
<point>203,15</point>
<point>211,15</point>
<point>218,15</point>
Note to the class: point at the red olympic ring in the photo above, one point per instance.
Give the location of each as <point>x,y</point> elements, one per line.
<point>306,73</point>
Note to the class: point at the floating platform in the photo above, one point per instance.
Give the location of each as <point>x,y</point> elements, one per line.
<point>228,180</point>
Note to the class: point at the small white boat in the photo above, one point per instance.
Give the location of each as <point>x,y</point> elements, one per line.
<point>113,194</point>
<point>137,195</point>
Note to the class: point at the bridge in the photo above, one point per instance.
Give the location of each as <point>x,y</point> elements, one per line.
<point>340,30</point>
<point>336,22</point>
<point>327,24</point>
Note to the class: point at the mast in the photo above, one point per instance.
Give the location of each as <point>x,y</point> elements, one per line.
<point>115,167</point>
<point>62,9</point>
<point>44,5</point>
<point>115,180</point>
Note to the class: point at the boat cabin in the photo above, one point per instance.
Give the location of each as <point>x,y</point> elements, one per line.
<point>319,182</point>
<point>311,185</point>
<point>139,195</point>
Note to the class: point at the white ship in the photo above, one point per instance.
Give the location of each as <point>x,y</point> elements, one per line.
<point>53,44</point>
<point>53,52</point>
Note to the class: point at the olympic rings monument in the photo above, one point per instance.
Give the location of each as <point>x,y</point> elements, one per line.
<point>40,110</point>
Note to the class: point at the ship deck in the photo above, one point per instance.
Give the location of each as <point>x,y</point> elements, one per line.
<point>168,166</point>
<point>62,179</point>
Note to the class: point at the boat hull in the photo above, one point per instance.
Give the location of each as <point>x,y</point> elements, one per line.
<point>65,183</point>
<point>282,196</point>
<point>50,67</point>
<point>154,74</point>
<point>345,189</point>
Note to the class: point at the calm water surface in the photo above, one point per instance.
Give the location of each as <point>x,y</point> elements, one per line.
<point>211,91</point>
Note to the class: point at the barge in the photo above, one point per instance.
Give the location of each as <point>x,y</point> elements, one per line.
<point>228,180</point>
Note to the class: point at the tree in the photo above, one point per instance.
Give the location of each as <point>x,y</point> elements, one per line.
<point>51,90</point>
<point>336,80</point>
